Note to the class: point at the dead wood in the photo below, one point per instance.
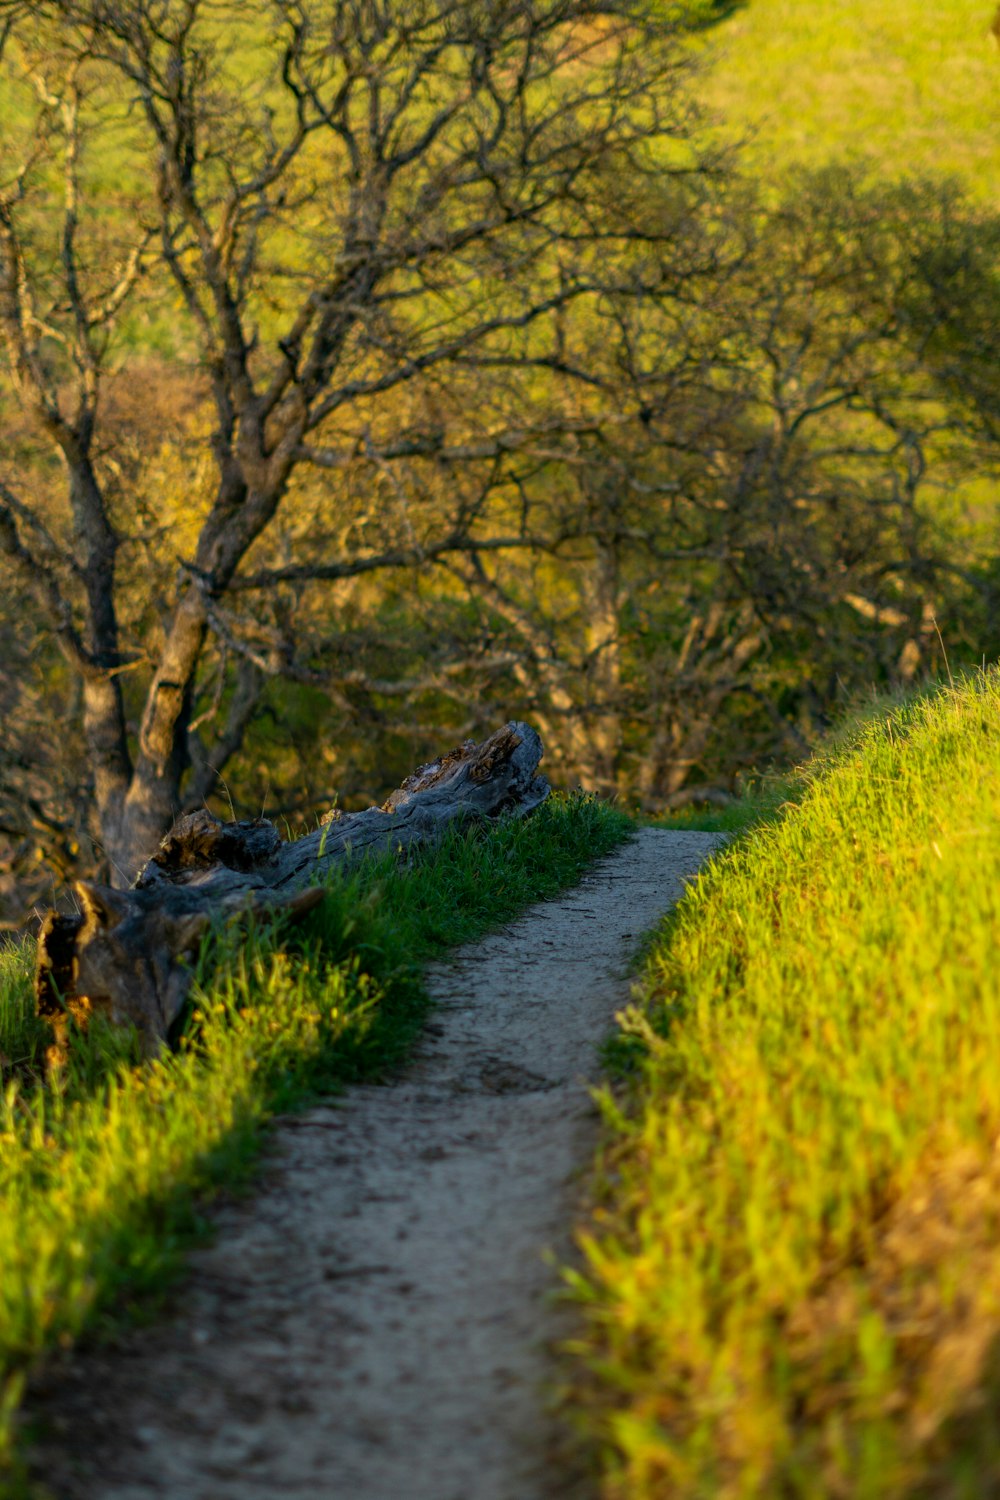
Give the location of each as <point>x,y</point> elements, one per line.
<point>124,955</point>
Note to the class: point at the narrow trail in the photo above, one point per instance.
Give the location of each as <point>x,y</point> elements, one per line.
<point>374,1323</point>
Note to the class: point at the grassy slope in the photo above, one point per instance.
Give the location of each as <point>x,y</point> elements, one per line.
<point>100,1186</point>
<point>793,1283</point>
<point>910,85</point>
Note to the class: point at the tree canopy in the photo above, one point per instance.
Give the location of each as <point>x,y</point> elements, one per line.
<point>367,365</point>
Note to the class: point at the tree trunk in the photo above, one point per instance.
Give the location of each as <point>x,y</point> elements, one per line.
<point>604,649</point>
<point>124,955</point>
<point>153,799</point>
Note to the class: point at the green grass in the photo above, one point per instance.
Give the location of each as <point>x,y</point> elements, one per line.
<point>792,1283</point>
<point>102,1181</point>
<point>761,803</point>
<point>23,1037</point>
<point>908,86</point>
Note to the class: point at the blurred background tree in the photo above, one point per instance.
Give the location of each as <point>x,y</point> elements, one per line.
<point>377,372</point>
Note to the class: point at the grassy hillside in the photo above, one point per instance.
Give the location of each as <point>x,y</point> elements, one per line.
<point>794,1287</point>
<point>101,1177</point>
<point>911,85</point>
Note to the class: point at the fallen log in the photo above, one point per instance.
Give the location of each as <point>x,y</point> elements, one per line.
<point>124,955</point>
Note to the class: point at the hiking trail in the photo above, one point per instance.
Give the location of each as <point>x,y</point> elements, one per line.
<point>375,1322</point>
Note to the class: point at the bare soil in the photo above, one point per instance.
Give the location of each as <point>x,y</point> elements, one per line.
<point>377,1322</point>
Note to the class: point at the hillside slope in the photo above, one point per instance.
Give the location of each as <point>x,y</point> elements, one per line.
<point>915,87</point>
<point>794,1287</point>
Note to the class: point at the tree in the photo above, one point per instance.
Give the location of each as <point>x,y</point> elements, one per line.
<point>790,520</point>
<point>366,226</point>
<point>381,370</point>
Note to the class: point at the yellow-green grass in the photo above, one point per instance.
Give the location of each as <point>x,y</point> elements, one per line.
<point>102,1181</point>
<point>760,803</point>
<point>909,86</point>
<point>793,1276</point>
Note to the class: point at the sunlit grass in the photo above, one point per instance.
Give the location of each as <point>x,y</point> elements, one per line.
<point>102,1181</point>
<point>909,87</point>
<point>793,1285</point>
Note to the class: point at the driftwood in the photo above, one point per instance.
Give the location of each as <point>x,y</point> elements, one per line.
<point>124,955</point>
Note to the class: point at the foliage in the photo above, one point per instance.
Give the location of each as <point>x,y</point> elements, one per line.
<point>102,1180</point>
<point>373,253</point>
<point>617,432</point>
<point>701,14</point>
<point>792,1284</point>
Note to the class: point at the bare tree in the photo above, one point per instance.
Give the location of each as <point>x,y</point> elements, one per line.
<point>483,386</point>
<point>361,216</point>
<point>784,516</point>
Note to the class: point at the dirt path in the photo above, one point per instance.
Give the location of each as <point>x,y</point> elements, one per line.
<point>373,1324</point>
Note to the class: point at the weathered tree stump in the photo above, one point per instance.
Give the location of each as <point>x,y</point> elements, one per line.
<point>124,955</point>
